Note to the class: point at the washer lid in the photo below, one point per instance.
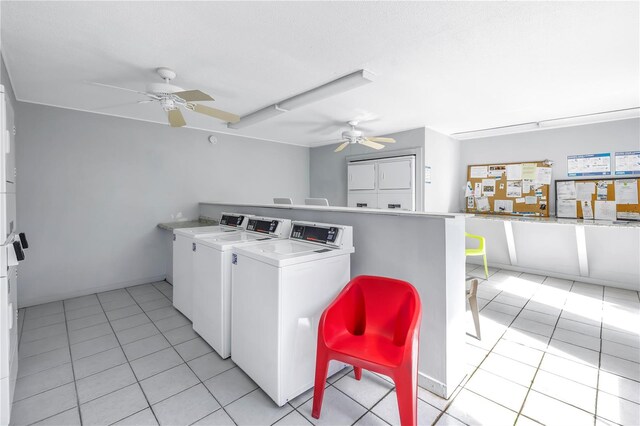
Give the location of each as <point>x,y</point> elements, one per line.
<point>201,230</point>
<point>227,241</point>
<point>288,252</point>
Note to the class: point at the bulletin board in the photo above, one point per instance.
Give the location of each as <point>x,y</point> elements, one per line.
<point>604,189</point>
<point>534,202</point>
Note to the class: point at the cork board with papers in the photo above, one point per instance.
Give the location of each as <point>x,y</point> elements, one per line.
<point>599,199</point>
<point>513,189</point>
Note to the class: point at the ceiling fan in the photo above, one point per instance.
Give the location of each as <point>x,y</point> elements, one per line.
<point>356,136</point>
<point>172,98</point>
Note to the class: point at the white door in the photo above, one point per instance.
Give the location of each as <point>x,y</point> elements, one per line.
<point>363,199</point>
<point>361,176</point>
<point>183,274</point>
<point>396,174</point>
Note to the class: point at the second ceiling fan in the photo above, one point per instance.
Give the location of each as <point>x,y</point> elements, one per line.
<point>354,136</point>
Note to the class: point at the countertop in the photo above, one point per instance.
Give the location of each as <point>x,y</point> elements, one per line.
<point>389,212</point>
<point>195,223</point>
<point>555,220</point>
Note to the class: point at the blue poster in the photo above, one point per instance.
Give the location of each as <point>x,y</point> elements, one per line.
<point>628,163</point>
<point>589,164</point>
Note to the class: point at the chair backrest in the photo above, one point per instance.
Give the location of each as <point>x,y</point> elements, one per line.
<point>316,201</point>
<point>381,305</point>
<point>282,201</point>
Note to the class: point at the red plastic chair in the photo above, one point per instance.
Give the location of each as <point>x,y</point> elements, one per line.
<point>374,324</point>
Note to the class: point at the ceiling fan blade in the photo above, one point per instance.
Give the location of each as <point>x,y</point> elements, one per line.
<point>123,88</point>
<point>370,144</point>
<point>194,96</point>
<point>176,119</point>
<point>343,146</point>
<point>212,112</point>
<point>385,140</point>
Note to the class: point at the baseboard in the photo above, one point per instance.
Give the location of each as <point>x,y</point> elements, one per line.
<point>588,280</point>
<point>434,386</point>
<point>25,303</point>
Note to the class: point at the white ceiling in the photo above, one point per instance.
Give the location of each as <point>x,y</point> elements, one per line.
<point>451,66</point>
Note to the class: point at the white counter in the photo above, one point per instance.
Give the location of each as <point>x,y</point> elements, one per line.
<point>597,252</point>
<point>424,249</point>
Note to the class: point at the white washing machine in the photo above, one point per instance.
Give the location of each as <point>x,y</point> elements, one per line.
<point>280,289</point>
<point>183,253</point>
<point>212,278</point>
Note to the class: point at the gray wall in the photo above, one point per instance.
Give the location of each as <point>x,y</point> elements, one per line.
<point>92,189</point>
<point>328,169</point>
<point>552,144</point>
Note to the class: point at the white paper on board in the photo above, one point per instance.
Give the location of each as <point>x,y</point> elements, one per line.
<point>566,190</point>
<point>488,187</point>
<point>496,171</point>
<point>478,190</point>
<point>468,191</point>
<point>478,172</point>
<point>543,175</point>
<point>587,210</point>
<point>585,190</point>
<point>503,206</point>
<point>526,186</point>
<point>529,171</point>
<point>519,200</point>
<point>602,190</point>
<point>626,191</point>
<point>482,204</point>
<point>471,203</point>
<point>567,208</point>
<point>605,210</point>
<point>514,189</point>
<point>514,171</point>
<point>531,200</point>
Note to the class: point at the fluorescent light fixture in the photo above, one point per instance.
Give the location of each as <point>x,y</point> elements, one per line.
<point>339,85</point>
<point>576,120</point>
<point>621,114</point>
<point>495,131</point>
<point>255,117</point>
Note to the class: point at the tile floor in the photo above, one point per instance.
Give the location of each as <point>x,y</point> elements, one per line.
<point>552,352</point>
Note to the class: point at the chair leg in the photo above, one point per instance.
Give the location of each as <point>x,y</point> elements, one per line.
<point>473,304</point>
<point>322,366</point>
<point>407,394</point>
<point>486,269</point>
<point>357,371</point>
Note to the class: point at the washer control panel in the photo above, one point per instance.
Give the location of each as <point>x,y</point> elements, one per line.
<point>270,226</point>
<point>315,233</point>
<point>232,220</point>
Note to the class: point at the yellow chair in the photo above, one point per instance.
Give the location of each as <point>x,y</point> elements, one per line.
<point>479,251</point>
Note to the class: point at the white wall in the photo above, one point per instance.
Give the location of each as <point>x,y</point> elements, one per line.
<point>328,169</point>
<point>92,189</point>
<point>552,144</point>
<point>442,154</point>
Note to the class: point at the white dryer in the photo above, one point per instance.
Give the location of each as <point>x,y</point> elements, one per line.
<point>280,289</point>
<point>183,253</point>
<point>212,278</point>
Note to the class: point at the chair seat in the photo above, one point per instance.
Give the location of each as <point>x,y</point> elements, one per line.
<point>369,347</point>
<point>474,252</point>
